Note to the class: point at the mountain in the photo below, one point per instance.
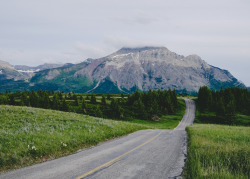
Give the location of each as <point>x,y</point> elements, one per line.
<point>11,79</point>
<point>8,72</point>
<point>131,68</point>
<point>28,69</point>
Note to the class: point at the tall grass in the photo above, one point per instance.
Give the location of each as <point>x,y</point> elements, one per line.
<point>30,135</point>
<point>217,151</point>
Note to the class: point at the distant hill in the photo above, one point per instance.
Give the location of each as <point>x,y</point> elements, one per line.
<point>24,68</point>
<point>8,72</point>
<point>131,68</point>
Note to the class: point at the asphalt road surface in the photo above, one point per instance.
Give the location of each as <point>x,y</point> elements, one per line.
<point>144,154</point>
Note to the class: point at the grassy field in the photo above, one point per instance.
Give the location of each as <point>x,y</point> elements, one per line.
<point>210,118</point>
<point>242,119</point>
<point>167,122</point>
<point>30,135</point>
<point>218,151</point>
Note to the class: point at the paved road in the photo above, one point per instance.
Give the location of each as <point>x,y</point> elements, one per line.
<point>143,154</point>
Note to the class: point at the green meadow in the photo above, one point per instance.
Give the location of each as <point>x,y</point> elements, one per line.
<point>29,135</point>
<point>32,135</point>
<point>218,151</point>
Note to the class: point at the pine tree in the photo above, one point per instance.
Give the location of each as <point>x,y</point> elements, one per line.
<point>204,99</point>
<point>75,100</point>
<point>84,106</point>
<point>64,106</point>
<point>103,100</point>
<point>11,100</point>
<point>55,101</point>
<point>108,97</point>
<point>230,112</point>
<point>220,110</point>
<point>60,96</point>
<point>24,99</point>
<point>33,99</point>
<point>46,101</point>
<point>3,99</point>
<point>115,109</point>
<point>93,99</point>
<point>139,110</point>
<point>98,112</point>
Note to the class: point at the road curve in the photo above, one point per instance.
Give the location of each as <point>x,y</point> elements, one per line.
<point>143,154</point>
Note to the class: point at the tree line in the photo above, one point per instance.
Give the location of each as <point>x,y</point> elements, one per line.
<point>149,105</point>
<point>225,103</point>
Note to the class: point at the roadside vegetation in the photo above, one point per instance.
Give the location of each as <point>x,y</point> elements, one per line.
<point>229,106</point>
<point>167,121</point>
<point>219,146</point>
<point>30,135</point>
<point>218,151</point>
<point>149,105</point>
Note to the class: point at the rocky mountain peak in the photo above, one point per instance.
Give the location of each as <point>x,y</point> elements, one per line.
<point>28,69</point>
<point>4,64</point>
<point>144,53</point>
<point>128,69</point>
<point>160,55</point>
<point>193,57</point>
<point>139,49</point>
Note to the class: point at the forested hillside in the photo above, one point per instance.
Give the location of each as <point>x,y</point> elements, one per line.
<point>223,106</point>
<point>140,105</point>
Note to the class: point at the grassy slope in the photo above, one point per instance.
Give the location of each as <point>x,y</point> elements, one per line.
<point>30,135</point>
<point>218,151</point>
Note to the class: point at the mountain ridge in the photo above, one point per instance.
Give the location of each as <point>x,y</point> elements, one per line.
<point>45,66</point>
<point>130,68</point>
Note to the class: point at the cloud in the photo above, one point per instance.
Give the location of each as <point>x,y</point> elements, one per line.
<point>118,42</point>
<point>61,31</point>
<point>89,50</point>
<point>138,17</point>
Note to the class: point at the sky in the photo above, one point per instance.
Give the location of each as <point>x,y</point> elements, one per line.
<point>33,32</point>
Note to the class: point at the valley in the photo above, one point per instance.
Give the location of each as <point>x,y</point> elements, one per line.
<point>68,135</point>
<point>124,89</point>
<point>38,135</point>
<point>101,99</point>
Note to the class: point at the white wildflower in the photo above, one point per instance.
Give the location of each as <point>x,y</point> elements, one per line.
<point>63,144</point>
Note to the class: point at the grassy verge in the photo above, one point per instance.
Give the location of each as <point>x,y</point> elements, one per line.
<point>167,122</point>
<point>218,151</point>
<point>31,135</point>
<point>210,118</point>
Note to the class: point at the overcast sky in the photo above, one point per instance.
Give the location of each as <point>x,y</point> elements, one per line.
<point>33,32</point>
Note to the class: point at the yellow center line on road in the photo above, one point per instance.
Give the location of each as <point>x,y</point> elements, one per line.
<point>117,158</point>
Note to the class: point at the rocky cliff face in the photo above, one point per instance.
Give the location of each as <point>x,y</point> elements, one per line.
<point>130,68</point>
<point>154,68</point>
<point>8,72</point>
